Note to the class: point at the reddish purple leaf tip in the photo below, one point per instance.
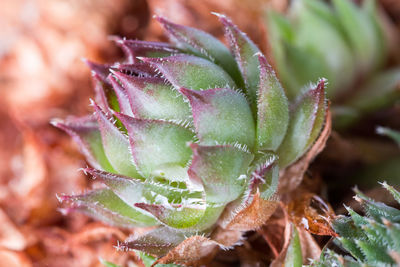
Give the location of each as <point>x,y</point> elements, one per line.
<point>156,210</point>
<point>64,198</point>
<point>161,19</point>
<point>264,65</point>
<point>98,70</point>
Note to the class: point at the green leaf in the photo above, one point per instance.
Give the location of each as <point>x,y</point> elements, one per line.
<point>374,254</point>
<point>209,219</point>
<point>377,210</point>
<point>350,245</point>
<point>221,116</point>
<point>106,206</point>
<point>346,228</point>
<point>221,170</point>
<point>159,147</point>
<point>191,72</point>
<point>394,232</point>
<point>178,216</point>
<point>271,178</point>
<point>306,121</point>
<point>116,145</point>
<point>394,192</point>
<point>273,109</point>
<point>293,255</point>
<point>382,36</point>
<point>130,190</point>
<point>153,98</point>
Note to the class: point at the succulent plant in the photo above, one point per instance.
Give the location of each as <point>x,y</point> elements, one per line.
<point>190,138</point>
<point>347,44</point>
<point>371,240</point>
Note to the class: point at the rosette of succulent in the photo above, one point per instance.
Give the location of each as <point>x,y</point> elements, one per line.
<point>347,44</point>
<point>191,138</point>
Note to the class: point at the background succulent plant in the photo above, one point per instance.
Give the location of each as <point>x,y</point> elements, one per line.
<point>347,44</point>
<point>369,240</point>
<point>190,137</point>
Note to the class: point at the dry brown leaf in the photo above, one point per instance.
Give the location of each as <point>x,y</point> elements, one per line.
<point>312,213</point>
<point>194,251</point>
<point>291,177</point>
<point>254,215</point>
<point>278,262</point>
<point>273,231</point>
<point>309,247</point>
<point>227,238</point>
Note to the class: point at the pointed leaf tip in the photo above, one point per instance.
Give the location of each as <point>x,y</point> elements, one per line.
<point>85,132</point>
<point>128,189</point>
<point>99,70</point>
<point>244,50</point>
<point>137,49</point>
<point>106,206</point>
